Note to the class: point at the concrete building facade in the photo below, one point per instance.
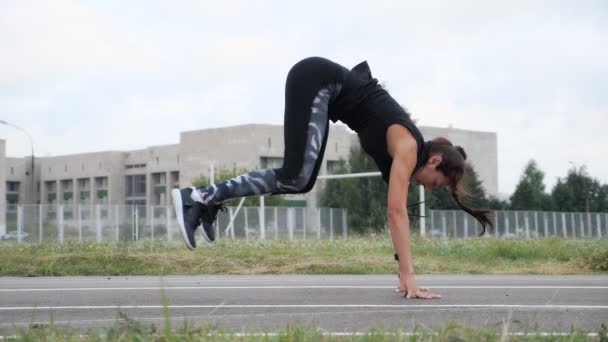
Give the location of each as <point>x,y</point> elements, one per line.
<point>146,176</point>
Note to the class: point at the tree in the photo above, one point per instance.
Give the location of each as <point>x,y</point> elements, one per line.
<point>364,197</point>
<point>579,192</point>
<point>530,191</point>
<point>496,203</point>
<point>225,174</point>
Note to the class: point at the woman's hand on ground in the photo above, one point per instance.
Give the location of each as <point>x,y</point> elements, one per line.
<point>407,284</point>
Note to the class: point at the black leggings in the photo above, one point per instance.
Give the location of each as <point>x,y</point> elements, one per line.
<point>312,84</point>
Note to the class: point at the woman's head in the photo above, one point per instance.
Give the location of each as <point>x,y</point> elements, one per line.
<point>445,168</point>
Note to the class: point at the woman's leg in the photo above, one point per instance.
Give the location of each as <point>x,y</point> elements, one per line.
<point>306,126</point>
<point>311,85</point>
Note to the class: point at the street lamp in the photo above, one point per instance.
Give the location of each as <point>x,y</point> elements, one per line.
<point>32,145</point>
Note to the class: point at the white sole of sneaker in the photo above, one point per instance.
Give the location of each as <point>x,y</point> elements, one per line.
<point>179,214</point>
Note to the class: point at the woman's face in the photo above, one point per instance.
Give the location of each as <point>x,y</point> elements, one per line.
<point>429,176</point>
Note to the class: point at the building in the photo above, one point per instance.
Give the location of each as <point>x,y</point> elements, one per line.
<point>146,176</point>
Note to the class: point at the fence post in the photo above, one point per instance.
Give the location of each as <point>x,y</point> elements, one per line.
<point>466,226</point>
<point>60,223</point>
<point>598,228</point>
<point>516,223</point>
<point>98,221</point>
<point>304,223</point>
<point>231,225</point>
<point>168,216</point>
<point>432,213</point>
<point>246,224</point>
<point>136,223</point>
<point>331,224</point>
<point>262,219</point>
<point>573,225</point>
<point>116,222</point>
<point>506,232</point>
<point>443,224</point>
<point>536,224</point>
<point>19,224</point>
<point>318,223</point>
<point>546,228</point>
<point>40,223</point>
<point>290,223</point>
<point>589,226</point>
<point>527,225</point>
<point>276,223</point>
<point>153,212</point>
<point>554,223</point>
<point>564,233</point>
<point>79,223</point>
<point>495,222</point>
<point>454,224</point>
<point>344,224</point>
<point>606,222</point>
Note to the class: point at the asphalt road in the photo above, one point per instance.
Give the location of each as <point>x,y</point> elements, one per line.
<point>333,303</point>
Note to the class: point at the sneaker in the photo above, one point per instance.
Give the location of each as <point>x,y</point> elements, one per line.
<point>188,213</point>
<point>209,217</point>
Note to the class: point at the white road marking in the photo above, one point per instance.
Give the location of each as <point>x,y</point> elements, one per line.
<point>358,333</point>
<point>281,306</point>
<point>288,287</point>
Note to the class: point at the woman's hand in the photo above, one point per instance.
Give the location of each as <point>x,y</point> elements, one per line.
<point>407,284</point>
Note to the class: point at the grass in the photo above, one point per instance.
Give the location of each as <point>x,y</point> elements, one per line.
<point>127,329</point>
<point>357,255</point>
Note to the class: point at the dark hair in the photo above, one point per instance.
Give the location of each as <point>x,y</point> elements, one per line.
<point>453,167</point>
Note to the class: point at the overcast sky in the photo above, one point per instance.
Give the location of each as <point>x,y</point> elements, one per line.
<point>84,76</point>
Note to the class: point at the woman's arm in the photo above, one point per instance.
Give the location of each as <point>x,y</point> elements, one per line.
<point>404,155</point>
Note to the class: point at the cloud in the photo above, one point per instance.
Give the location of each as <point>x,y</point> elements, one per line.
<point>52,39</point>
<point>533,72</point>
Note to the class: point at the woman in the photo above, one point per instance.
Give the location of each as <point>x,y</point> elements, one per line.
<point>319,90</point>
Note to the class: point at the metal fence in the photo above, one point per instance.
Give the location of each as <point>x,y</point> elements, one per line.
<point>99,223</point>
<point>522,224</point>
<point>60,223</point>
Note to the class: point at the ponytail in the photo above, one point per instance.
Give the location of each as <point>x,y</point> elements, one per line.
<point>481,215</point>
<point>453,167</point>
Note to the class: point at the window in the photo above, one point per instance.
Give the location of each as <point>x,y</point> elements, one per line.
<point>12,198</point>
<point>66,185</point>
<point>271,162</point>
<point>136,185</point>
<point>12,186</point>
<point>101,182</point>
<point>138,202</point>
<point>135,166</point>
<point>51,186</point>
<point>174,179</point>
<point>83,183</point>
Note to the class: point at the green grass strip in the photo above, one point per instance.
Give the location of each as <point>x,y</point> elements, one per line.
<point>357,255</point>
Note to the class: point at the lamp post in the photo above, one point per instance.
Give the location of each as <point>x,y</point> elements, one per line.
<point>32,146</point>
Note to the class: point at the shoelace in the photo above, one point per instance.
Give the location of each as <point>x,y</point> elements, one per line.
<point>214,207</point>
